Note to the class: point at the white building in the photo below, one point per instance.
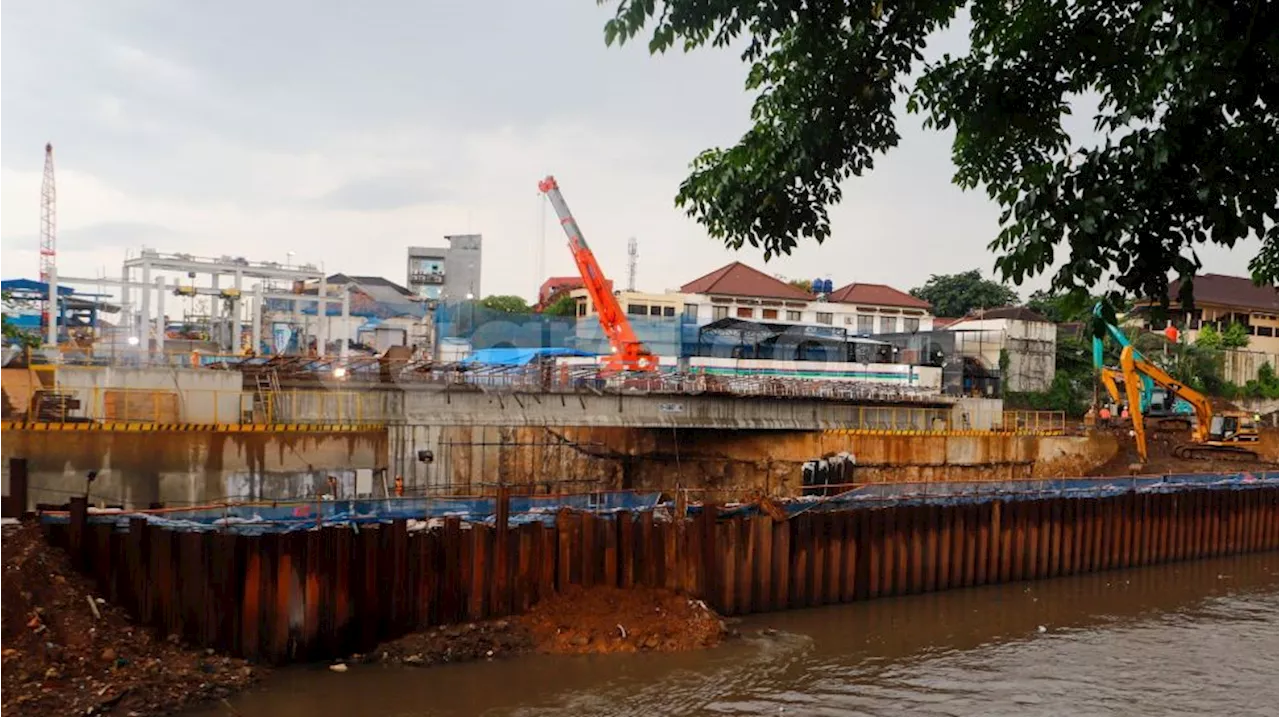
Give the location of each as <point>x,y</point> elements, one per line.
<point>740,291</point>
<point>1029,339</point>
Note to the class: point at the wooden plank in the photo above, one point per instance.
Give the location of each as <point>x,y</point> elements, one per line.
<point>959,529</point>
<point>782,561</point>
<point>849,584</point>
<point>931,518</point>
<point>366,615</point>
<point>626,551</point>
<point>671,568</point>
<point>901,548</point>
<point>343,584</point>
<point>564,549</point>
<point>835,558</point>
<point>762,575</point>
<point>649,558</point>
<point>548,561</point>
<point>802,545</point>
<point>609,534</point>
<point>481,567</point>
<point>875,552</point>
<point>970,545</point>
<point>251,595</point>
<point>818,559</point>
<point>946,525</point>
<point>982,566</point>
<point>727,538</point>
<point>589,555</point>
<point>889,556</point>
<point>1004,516</point>
<point>746,564</point>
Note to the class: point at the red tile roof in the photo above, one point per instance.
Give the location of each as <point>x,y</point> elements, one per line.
<point>942,322</point>
<point>1231,291</point>
<point>876,295</point>
<point>738,279</point>
<point>556,284</point>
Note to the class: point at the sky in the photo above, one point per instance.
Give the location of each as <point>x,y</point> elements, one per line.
<point>345,132</point>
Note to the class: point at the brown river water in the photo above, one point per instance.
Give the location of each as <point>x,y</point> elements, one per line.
<point>1197,638</point>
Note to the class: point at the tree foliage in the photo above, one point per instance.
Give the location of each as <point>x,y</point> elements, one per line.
<point>957,294</point>
<point>505,303</point>
<point>1209,337</point>
<point>804,285</point>
<point>1185,129</point>
<point>13,334</point>
<point>565,305</point>
<point>1235,336</point>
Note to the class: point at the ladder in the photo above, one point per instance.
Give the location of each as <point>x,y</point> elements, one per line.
<point>264,398</point>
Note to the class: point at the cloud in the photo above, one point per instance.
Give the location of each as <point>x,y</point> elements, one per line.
<point>378,194</point>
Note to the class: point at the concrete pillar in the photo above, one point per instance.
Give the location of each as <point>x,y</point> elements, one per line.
<point>144,322</point>
<point>51,337</point>
<point>126,307</point>
<point>256,330</point>
<point>160,321</point>
<point>346,314</point>
<point>235,313</point>
<point>322,317</point>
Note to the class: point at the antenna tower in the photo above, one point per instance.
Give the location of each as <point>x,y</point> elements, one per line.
<point>633,256</point>
<point>48,227</point>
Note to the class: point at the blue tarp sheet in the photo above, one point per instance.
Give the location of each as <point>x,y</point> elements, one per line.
<point>518,357</point>
<point>286,517</point>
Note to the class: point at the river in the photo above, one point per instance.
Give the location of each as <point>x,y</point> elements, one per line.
<point>1196,638</point>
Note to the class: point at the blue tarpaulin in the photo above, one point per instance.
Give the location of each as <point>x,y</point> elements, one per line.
<point>518,357</point>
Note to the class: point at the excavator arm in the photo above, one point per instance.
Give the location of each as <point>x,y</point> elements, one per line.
<point>629,353</point>
<point>1111,379</point>
<point>1135,367</point>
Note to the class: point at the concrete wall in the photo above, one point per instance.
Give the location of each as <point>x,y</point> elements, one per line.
<point>469,459</point>
<point>436,407</point>
<point>177,469</point>
<point>204,396</point>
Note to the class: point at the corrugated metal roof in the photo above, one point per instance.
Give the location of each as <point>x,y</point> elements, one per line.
<point>738,279</point>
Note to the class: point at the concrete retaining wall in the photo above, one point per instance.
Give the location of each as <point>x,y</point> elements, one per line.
<point>136,469</point>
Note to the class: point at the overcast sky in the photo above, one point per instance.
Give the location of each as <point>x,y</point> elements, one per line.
<point>344,132</point>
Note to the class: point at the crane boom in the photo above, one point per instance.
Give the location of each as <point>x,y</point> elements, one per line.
<point>629,353</point>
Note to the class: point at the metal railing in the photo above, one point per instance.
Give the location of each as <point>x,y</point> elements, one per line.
<point>1034,422</point>
<point>71,404</point>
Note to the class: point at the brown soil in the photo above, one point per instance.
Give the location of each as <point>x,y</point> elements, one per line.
<point>454,643</point>
<point>605,619</point>
<point>59,659</point>
<point>1160,458</point>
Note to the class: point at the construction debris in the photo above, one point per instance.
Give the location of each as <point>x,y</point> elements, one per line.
<point>60,658</point>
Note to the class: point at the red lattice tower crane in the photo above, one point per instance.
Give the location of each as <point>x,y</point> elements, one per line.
<point>629,352</point>
<point>48,229</point>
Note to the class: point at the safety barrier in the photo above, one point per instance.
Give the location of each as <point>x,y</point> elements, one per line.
<point>1035,422</point>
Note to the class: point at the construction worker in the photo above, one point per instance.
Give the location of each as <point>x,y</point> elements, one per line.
<point>399,486</point>
<point>1104,416</point>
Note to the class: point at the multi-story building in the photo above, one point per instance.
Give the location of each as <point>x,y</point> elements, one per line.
<point>449,273</point>
<point>1220,301</point>
<point>739,291</point>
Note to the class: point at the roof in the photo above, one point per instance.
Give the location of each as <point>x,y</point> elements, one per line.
<point>942,322</point>
<point>738,279</point>
<point>1233,291</point>
<point>1012,313</point>
<point>876,295</point>
<point>379,288</point>
<point>33,286</point>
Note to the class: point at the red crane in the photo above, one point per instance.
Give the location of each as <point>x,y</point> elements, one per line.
<point>629,352</point>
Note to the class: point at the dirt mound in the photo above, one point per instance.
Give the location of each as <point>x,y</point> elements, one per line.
<point>604,619</point>
<point>1160,458</point>
<point>59,659</point>
<point>454,643</point>
<point>1267,448</point>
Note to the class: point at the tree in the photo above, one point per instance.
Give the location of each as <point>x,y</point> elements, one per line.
<point>565,305</point>
<point>505,303</point>
<point>1235,337</point>
<point>1185,128</point>
<point>957,294</point>
<point>804,285</point>
<point>1209,338</point>
<point>13,334</point>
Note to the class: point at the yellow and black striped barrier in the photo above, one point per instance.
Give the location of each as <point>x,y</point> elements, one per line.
<point>147,427</point>
<point>940,434</point>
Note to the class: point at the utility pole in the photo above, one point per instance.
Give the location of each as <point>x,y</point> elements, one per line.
<point>49,246</point>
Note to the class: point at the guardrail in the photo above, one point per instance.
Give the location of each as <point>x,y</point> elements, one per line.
<point>1038,422</point>
<point>69,404</point>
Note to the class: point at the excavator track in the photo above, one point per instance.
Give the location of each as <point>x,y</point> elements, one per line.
<point>1192,451</point>
<point>1170,424</point>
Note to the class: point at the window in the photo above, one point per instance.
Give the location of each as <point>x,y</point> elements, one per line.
<point>911,325</point>
<point>691,312</point>
<point>769,313</point>
<point>866,324</point>
<point>719,312</point>
<point>668,311</point>
<point>793,316</point>
<point>745,312</point>
<point>582,308</point>
<point>1266,331</point>
<point>655,311</point>
<point>637,309</point>
<point>824,317</point>
<point>888,324</point>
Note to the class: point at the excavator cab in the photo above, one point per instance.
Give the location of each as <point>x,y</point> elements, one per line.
<point>1232,427</point>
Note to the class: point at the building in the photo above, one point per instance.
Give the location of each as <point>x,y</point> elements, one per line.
<point>1220,301</point>
<point>380,313</point>
<point>446,273</point>
<point>635,304</point>
<point>1025,340</point>
<point>554,288</point>
<point>740,291</point>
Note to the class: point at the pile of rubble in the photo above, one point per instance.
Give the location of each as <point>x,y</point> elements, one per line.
<point>66,651</point>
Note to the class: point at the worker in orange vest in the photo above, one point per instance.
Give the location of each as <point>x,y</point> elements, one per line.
<point>399,486</point>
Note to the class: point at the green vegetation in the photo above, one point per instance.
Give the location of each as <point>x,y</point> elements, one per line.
<point>1183,97</point>
<point>563,306</point>
<point>958,294</point>
<point>506,304</point>
<point>12,333</point>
